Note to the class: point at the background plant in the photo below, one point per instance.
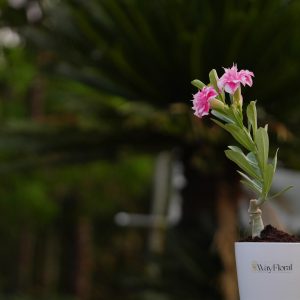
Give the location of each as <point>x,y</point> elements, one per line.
<point>100,81</point>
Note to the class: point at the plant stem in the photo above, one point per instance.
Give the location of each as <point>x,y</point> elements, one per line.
<point>256,222</point>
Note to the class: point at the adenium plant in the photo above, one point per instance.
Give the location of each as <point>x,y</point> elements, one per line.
<point>222,98</point>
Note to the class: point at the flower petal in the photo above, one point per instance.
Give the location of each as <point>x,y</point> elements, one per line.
<point>232,78</point>
<point>201,100</point>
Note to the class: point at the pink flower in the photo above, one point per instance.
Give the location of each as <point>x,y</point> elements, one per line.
<point>201,100</point>
<point>232,78</point>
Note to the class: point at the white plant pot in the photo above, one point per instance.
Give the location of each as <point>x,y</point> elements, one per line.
<point>268,271</point>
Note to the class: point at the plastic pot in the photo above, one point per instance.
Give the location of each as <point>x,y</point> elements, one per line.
<point>268,271</point>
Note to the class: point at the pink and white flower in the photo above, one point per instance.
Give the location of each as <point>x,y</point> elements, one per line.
<point>201,104</point>
<point>232,78</point>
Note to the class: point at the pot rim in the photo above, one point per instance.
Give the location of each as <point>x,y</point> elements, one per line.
<point>268,243</point>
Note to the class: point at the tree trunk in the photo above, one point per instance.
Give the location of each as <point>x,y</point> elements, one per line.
<point>83,258</point>
<point>27,241</point>
<point>226,235</point>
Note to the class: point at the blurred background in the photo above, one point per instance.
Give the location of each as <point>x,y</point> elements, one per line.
<point>110,187</point>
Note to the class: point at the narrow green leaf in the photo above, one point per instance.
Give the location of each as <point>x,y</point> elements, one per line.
<point>241,135</point>
<point>236,149</point>
<point>219,123</point>
<point>198,84</point>
<point>235,115</point>
<point>281,192</point>
<point>262,144</point>
<point>222,116</point>
<point>252,116</point>
<point>256,186</point>
<point>268,178</point>
<point>238,115</point>
<point>274,163</point>
<point>250,186</point>
<point>252,159</point>
<point>241,161</point>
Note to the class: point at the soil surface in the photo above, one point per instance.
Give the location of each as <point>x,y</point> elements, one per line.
<point>271,234</point>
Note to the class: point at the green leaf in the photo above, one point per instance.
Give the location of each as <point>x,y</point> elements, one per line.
<point>262,144</point>
<point>219,123</point>
<point>198,84</point>
<point>281,192</point>
<point>238,116</point>
<point>240,134</point>
<point>252,183</point>
<point>236,149</point>
<point>250,186</point>
<point>235,115</point>
<point>268,178</point>
<point>241,161</point>
<point>252,116</point>
<point>266,127</point>
<point>252,159</point>
<point>274,163</point>
<point>222,116</point>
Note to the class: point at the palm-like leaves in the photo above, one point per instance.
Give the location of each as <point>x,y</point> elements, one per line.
<point>146,52</point>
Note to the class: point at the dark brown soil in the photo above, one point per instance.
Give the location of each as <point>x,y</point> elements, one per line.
<point>271,234</point>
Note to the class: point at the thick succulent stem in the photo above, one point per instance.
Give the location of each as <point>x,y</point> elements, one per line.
<point>256,222</point>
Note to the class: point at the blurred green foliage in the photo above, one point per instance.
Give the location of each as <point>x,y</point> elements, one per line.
<point>33,298</point>
<point>92,93</point>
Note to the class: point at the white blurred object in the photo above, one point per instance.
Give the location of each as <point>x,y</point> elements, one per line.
<point>9,38</point>
<point>167,201</point>
<point>34,12</point>
<point>287,206</point>
<point>17,3</point>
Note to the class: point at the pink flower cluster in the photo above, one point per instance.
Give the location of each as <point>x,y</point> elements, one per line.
<point>201,104</point>
<point>232,79</point>
<point>229,82</point>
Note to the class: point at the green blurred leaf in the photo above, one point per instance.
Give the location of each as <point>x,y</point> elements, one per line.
<point>274,163</point>
<point>241,160</point>
<point>252,116</point>
<point>251,186</point>
<point>236,149</point>
<point>237,115</point>
<point>262,144</point>
<point>281,192</point>
<point>255,185</point>
<point>240,134</point>
<point>221,116</point>
<point>268,178</point>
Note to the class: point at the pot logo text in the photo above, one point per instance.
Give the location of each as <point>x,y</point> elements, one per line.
<point>269,268</point>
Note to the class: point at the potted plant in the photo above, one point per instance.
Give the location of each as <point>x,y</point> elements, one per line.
<point>268,263</point>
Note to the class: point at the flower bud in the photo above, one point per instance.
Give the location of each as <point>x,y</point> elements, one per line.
<point>238,98</point>
<point>217,105</point>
